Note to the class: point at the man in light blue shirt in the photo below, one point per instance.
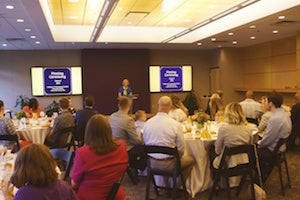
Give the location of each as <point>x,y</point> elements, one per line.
<point>279,126</point>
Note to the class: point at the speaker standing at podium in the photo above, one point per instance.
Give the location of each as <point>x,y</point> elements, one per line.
<point>125,90</point>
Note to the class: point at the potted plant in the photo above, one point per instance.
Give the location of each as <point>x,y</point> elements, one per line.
<point>52,108</point>
<point>22,101</point>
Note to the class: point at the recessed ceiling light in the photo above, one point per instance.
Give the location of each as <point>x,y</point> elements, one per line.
<point>187,20</point>
<point>38,42</point>
<point>73,17</point>
<point>199,43</point>
<point>4,45</point>
<point>252,37</point>
<point>252,26</point>
<point>27,29</point>
<point>9,7</point>
<point>281,17</point>
<point>20,20</point>
<point>275,31</point>
<point>231,33</point>
<point>213,39</point>
<point>33,36</point>
<point>234,42</point>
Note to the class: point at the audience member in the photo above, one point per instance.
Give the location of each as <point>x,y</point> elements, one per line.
<point>140,120</point>
<point>295,117</point>
<point>125,90</point>
<point>33,109</point>
<point>162,130</point>
<point>178,111</point>
<point>262,126</point>
<point>123,128</point>
<point>36,176</point>
<point>72,110</point>
<point>83,116</point>
<point>279,126</point>
<point>64,120</point>
<point>220,93</point>
<point>216,108</point>
<point>233,132</point>
<point>251,108</point>
<point>99,163</point>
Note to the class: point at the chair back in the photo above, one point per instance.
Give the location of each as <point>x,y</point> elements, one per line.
<point>241,149</point>
<point>152,150</point>
<point>12,138</point>
<point>64,137</point>
<point>114,188</point>
<point>63,155</point>
<point>279,144</point>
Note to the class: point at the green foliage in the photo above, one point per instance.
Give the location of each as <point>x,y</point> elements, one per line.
<point>20,115</point>
<point>22,101</point>
<point>52,108</point>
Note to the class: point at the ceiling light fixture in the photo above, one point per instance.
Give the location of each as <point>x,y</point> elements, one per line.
<point>281,17</point>
<point>252,26</point>
<point>9,7</point>
<point>234,42</point>
<point>103,18</point>
<point>252,37</point>
<point>213,39</point>
<point>20,20</point>
<point>4,45</point>
<point>275,31</point>
<point>37,42</point>
<point>27,29</point>
<point>231,33</point>
<point>33,36</point>
<point>199,43</point>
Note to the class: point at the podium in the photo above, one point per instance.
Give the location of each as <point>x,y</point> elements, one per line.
<point>132,98</point>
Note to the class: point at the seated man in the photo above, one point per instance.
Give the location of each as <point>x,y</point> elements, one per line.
<point>83,116</point>
<point>251,108</point>
<point>123,128</point>
<point>162,130</point>
<point>279,126</point>
<point>64,120</point>
<point>295,117</point>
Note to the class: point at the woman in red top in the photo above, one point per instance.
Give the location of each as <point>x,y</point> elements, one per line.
<point>33,109</point>
<point>99,163</point>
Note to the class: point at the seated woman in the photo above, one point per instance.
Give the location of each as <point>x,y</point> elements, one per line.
<point>232,133</point>
<point>36,177</point>
<point>216,107</point>
<point>178,112</point>
<point>99,163</point>
<point>33,109</point>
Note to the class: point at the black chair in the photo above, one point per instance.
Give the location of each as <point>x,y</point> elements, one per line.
<point>9,112</point>
<point>12,138</point>
<point>67,157</point>
<point>176,172</point>
<point>279,157</point>
<point>114,188</point>
<point>240,170</point>
<point>63,138</point>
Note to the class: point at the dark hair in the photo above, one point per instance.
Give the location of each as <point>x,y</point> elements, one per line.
<point>124,102</point>
<point>35,166</point>
<point>89,101</point>
<point>98,135</point>
<point>1,104</point>
<point>64,103</point>
<point>33,104</point>
<point>275,98</point>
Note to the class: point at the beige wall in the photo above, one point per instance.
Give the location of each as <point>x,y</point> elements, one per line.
<point>15,73</point>
<point>200,62</point>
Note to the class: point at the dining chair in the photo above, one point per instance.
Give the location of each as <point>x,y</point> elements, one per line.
<point>279,158</point>
<point>243,170</point>
<point>114,188</point>
<point>174,173</point>
<point>64,160</point>
<point>64,138</point>
<point>12,138</point>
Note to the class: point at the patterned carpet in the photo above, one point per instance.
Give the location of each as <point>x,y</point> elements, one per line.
<point>272,186</point>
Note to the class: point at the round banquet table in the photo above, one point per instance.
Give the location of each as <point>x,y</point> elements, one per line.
<point>35,134</point>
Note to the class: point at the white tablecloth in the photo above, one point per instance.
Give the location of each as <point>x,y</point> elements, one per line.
<point>36,135</point>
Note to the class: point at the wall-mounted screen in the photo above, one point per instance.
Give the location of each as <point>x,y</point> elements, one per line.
<point>170,78</point>
<point>56,81</point>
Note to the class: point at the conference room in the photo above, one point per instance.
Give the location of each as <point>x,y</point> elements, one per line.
<point>135,57</point>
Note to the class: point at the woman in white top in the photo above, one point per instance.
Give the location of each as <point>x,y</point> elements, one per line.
<point>178,112</point>
<point>232,133</point>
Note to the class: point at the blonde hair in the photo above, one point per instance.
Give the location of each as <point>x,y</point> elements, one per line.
<point>177,103</point>
<point>234,114</point>
<point>139,114</point>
